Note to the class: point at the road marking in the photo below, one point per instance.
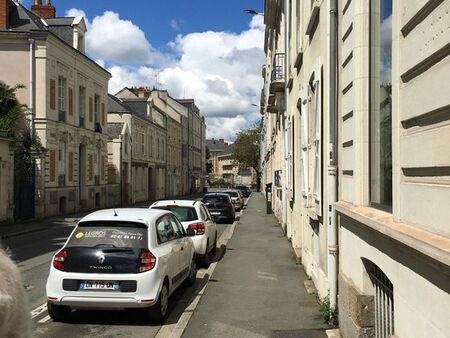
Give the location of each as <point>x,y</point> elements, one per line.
<point>44,320</point>
<point>176,330</point>
<point>37,311</point>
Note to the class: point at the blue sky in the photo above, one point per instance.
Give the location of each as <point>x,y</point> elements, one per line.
<point>209,50</point>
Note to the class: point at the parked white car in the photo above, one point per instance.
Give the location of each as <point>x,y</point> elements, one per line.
<point>236,198</point>
<point>194,215</point>
<point>120,259</point>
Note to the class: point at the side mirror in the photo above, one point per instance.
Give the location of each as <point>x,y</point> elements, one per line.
<point>190,232</point>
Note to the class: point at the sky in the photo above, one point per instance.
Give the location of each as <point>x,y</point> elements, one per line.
<point>209,50</point>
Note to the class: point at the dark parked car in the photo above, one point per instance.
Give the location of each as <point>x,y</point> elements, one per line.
<point>220,206</point>
<point>245,191</point>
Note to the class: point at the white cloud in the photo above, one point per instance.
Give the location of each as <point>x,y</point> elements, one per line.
<point>76,12</point>
<point>220,70</point>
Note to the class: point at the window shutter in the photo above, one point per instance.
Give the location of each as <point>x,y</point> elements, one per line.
<point>304,111</point>
<point>317,133</point>
<point>70,101</point>
<point>103,114</point>
<point>105,163</point>
<point>70,166</point>
<point>90,109</point>
<point>52,94</point>
<point>90,167</point>
<point>52,165</point>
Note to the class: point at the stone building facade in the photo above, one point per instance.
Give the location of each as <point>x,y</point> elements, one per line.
<point>66,96</point>
<point>354,150</point>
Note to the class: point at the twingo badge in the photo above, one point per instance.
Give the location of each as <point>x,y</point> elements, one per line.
<point>79,235</point>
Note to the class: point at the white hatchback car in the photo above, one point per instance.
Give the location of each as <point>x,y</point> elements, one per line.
<point>194,215</point>
<point>120,259</point>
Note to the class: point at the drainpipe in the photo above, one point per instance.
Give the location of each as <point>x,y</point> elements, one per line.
<point>31,90</point>
<point>286,77</point>
<point>332,160</point>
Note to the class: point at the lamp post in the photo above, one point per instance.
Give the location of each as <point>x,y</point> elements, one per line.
<point>252,12</point>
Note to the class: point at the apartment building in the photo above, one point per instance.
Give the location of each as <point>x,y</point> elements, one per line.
<point>66,95</point>
<point>354,152</point>
<point>148,133</point>
<point>215,147</point>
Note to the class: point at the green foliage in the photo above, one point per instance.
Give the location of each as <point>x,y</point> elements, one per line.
<point>247,147</point>
<point>12,111</point>
<point>330,315</point>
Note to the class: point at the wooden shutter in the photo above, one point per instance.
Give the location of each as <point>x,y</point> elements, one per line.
<point>70,166</point>
<point>103,114</point>
<point>317,141</point>
<point>52,94</point>
<point>52,165</point>
<point>90,109</point>
<point>90,167</point>
<point>304,113</point>
<point>70,101</point>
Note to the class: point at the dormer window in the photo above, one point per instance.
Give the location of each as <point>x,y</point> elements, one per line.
<point>79,33</point>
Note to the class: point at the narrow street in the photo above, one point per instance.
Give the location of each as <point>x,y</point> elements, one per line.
<point>247,291</point>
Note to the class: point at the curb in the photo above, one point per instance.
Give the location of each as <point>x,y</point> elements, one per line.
<point>23,232</point>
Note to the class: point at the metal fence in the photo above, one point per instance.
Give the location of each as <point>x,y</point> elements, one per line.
<point>278,67</point>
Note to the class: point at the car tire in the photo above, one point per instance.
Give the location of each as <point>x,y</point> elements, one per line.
<point>58,313</point>
<point>204,260</point>
<point>214,248</point>
<point>158,312</point>
<point>192,274</point>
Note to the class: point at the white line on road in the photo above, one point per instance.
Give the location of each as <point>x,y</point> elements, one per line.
<point>44,320</point>
<point>37,311</point>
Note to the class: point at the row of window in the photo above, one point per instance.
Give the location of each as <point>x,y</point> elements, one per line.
<point>63,99</point>
<point>145,145</point>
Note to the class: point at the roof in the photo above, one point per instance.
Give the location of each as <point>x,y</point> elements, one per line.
<point>228,151</point>
<point>113,130</point>
<point>215,145</point>
<point>116,105</point>
<point>23,20</point>
<point>138,106</point>
<point>125,214</point>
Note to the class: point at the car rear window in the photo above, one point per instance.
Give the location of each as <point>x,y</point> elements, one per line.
<point>232,193</point>
<point>184,214</point>
<point>215,199</point>
<point>114,234</point>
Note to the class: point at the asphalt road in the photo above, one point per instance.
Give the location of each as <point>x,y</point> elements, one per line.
<point>33,253</point>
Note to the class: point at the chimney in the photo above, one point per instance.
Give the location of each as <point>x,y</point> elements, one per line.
<point>4,14</point>
<point>221,140</point>
<point>46,11</point>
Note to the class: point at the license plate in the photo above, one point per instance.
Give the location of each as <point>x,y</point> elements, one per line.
<point>215,213</point>
<point>99,285</point>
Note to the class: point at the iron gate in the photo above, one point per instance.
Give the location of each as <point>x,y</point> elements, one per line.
<point>24,185</point>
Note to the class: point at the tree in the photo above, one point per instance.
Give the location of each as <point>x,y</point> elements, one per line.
<point>209,165</point>
<point>12,112</point>
<point>247,150</point>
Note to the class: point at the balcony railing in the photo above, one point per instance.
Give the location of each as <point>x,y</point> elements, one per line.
<point>81,121</point>
<point>98,127</point>
<point>278,67</point>
<point>62,116</point>
<point>97,179</point>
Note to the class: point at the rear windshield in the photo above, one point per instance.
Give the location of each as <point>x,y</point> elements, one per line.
<point>215,199</point>
<point>184,214</point>
<point>232,193</point>
<point>109,234</point>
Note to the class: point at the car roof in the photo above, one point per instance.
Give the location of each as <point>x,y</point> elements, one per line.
<point>215,194</point>
<point>142,215</point>
<point>182,203</point>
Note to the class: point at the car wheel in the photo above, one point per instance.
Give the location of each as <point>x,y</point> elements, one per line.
<point>58,313</point>
<point>192,274</point>
<point>214,248</point>
<point>204,260</point>
<point>158,312</point>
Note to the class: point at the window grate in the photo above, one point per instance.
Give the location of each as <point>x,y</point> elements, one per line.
<point>384,302</point>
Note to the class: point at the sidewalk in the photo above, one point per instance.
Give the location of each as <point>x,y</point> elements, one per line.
<point>9,230</point>
<point>257,289</point>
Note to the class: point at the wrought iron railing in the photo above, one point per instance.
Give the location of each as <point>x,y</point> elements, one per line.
<point>278,67</point>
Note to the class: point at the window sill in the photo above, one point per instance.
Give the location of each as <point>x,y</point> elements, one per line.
<point>428,243</point>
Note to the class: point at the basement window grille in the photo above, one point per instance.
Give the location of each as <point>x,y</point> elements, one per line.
<point>384,301</point>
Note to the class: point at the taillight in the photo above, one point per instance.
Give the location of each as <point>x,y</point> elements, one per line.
<point>229,204</point>
<point>147,261</point>
<point>198,227</point>
<point>60,260</point>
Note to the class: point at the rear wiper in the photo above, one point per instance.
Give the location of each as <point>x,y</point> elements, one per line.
<point>116,250</point>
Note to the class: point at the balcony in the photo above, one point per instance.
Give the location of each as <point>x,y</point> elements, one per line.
<point>98,127</point>
<point>97,179</point>
<point>81,121</point>
<point>277,83</point>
